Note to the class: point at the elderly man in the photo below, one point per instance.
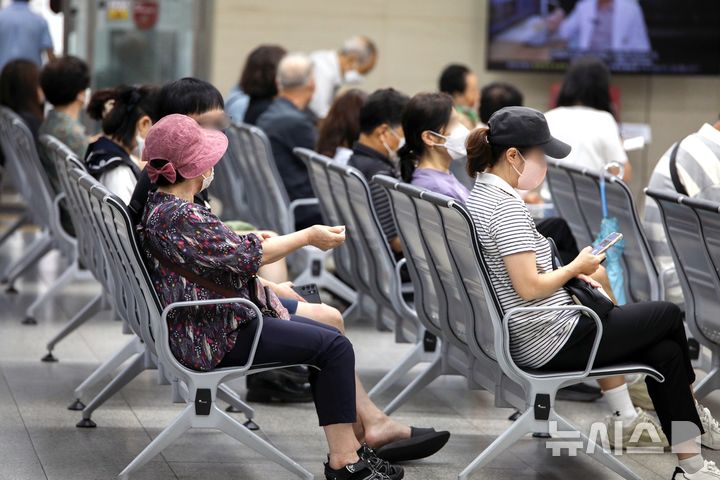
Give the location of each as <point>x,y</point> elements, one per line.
<point>355,59</point>
<point>288,125</point>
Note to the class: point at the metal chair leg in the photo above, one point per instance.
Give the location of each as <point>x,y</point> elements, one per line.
<point>24,219</point>
<point>38,249</point>
<point>412,358</point>
<point>136,367</point>
<point>86,313</point>
<point>421,381</point>
<point>133,347</point>
<point>68,276</point>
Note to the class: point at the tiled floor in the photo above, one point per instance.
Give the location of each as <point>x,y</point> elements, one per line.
<point>39,440</point>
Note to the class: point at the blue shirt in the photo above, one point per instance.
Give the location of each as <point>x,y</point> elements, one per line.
<point>23,34</point>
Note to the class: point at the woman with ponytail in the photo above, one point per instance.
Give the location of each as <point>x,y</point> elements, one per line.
<point>434,138</point>
<point>509,155</point>
<point>126,116</point>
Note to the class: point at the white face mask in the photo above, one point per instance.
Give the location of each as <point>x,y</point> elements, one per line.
<point>86,99</point>
<point>352,77</point>
<point>140,146</point>
<point>208,180</point>
<point>392,154</point>
<point>455,142</point>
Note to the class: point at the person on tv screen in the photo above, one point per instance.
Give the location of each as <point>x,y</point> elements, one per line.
<point>602,25</point>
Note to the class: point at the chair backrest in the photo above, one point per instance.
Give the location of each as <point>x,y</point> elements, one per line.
<point>25,168</point>
<point>116,234</point>
<point>689,246</point>
<point>267,196</point>
<point>363,265</point>
<point>317,169</point>
<point>472,284</point>
<point>639,268</point>
<point>454,313</point>
<point>65,160</point>
<point>229,184</point>
<point>427,300</point>
<point>372,237</point>
<point>562,190</point>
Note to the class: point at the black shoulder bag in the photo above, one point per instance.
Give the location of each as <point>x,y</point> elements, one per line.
<point>679,187</point>
<point>581,292</point>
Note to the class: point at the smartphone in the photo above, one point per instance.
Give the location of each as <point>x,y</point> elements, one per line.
<point>309,292</point>
<point>606,243</point>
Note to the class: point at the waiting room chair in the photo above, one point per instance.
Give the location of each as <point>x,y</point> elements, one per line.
<point>346,256</point>
<point>90,194</point>
<point>229,186</point>
<point>44,204</point>
<point>490,333</point>
<point>692,228</point>
<point>202,388</point>
<point>643,281</point>
<point>267,196</point>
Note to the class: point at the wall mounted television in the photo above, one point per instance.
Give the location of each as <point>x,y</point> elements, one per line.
<point>632,36</point>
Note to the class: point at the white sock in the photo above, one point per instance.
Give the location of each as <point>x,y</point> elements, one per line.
<point>618,399</point>
<point>693,464</point>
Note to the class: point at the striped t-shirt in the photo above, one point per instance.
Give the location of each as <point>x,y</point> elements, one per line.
<point>505,227</point>
<point>698,167</point>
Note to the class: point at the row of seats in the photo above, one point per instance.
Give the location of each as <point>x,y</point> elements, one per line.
<point>456,321</point>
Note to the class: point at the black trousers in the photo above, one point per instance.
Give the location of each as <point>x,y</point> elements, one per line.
<point>558,229</point>
<point>651,333</point>
<point>303,341</point>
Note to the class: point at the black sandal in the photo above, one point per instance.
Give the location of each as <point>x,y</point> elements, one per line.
<point>423,442</point>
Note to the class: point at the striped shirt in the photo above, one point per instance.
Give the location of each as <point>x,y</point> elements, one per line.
<point>505,227</point>
<point>698,167</point>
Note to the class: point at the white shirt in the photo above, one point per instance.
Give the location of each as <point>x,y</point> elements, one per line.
<point>328,79</point>
<point>593,134</point>
<point>342,155</point>
<point>121,181</point>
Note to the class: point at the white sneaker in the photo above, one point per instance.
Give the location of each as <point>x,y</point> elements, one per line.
<point>708,472</point>
<point>645,439</point>
<point>711,438</point>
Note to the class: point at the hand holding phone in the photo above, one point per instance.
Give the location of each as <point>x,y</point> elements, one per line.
<point>606,243</point>
<point>309,292</point>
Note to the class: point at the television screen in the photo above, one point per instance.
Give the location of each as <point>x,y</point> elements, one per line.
<point>632,36</point>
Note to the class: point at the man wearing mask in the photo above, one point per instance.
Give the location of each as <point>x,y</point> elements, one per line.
<point>288,126</point>
<point>375,152</point>
<point>333,69</point>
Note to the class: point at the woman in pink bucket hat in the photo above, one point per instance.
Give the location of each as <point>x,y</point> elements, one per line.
<point>192,254</point>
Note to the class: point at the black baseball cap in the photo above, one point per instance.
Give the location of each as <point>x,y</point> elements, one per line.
<point>524,127</point>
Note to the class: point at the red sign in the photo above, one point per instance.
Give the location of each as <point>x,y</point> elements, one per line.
<point>145,13</point>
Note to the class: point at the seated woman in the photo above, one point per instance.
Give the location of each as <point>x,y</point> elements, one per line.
<point>126,115</point>
<point>340,129</point>
<point>180,235</point>
<point>510,153</point>
<point>430,118</point>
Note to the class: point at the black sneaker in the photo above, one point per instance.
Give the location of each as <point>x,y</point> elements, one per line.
<point>359,470</point>
<point>378,464</point>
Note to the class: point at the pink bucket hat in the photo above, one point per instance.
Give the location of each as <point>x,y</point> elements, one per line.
<point>188,148</point>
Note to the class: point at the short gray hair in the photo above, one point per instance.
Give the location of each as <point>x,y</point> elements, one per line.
<point>362,47</point>
<point>294,71</point>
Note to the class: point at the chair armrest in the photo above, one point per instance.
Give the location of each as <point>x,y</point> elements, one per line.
<point>298,202</point>
<point>402,304</point>
<point>163,340</point>
<point>663,278</point>
<point>580,308</point>
<point>55,220</point>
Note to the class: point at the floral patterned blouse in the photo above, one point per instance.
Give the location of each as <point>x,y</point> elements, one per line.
<point>189,234</point>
